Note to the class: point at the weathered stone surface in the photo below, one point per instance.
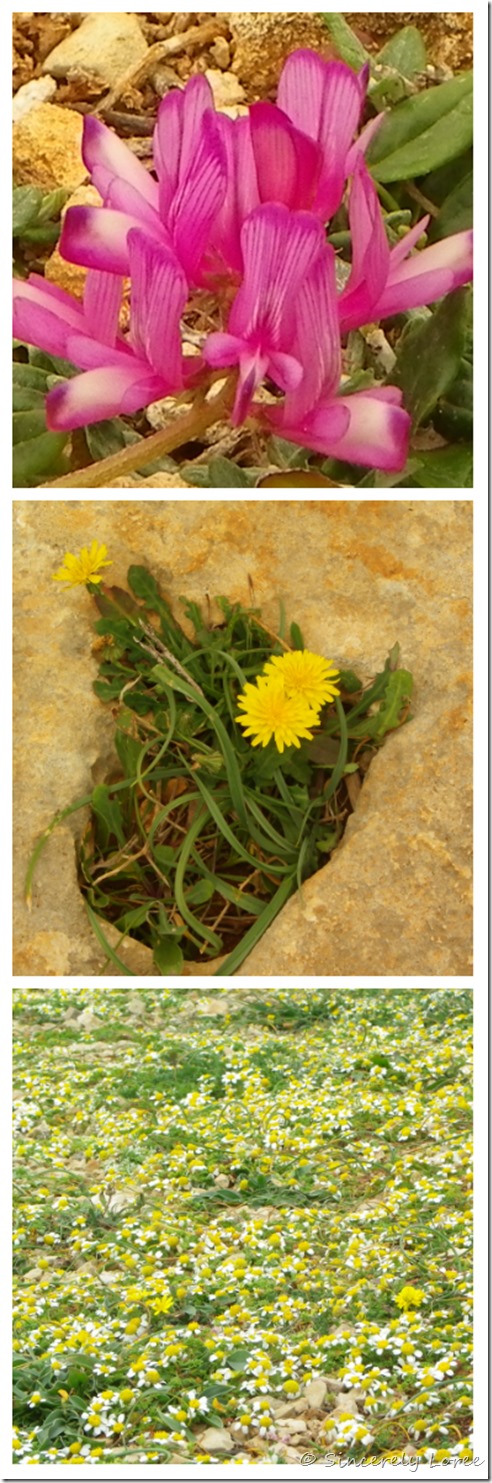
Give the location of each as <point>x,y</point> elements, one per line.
<point>46,148</point>
<point>263,39</point>
<point>448,35</point>
<point>105,45</point>
<point>226,89</point>
<point>71,276</point>
<point>31,95</point>
<point>356,575</point>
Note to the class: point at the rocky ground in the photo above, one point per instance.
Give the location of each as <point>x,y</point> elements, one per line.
<point>357,576</point>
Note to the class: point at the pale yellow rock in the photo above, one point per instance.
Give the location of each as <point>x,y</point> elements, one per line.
<point>357,575</point>
<point>221,53</point>
<point>263,39</point>
<point>226,89</point>
<point>46,148</point>
<point>66,275</point>
<point>155,481</point>
<point>104,46</point>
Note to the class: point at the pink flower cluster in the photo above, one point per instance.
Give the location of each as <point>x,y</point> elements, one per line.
<point>239,209</point>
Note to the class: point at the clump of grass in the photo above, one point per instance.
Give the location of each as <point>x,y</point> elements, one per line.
<point>197,838</point>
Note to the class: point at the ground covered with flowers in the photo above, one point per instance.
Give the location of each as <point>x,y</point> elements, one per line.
<point>242,1225</point>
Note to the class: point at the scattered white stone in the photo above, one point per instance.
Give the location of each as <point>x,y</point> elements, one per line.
<point>315,1393</point>
<point>216,1439</point>
<point>221,53</point>
<point>40,90</point>
<point>226,89</point>
<point>105,45</point>
<point>294,1424</point>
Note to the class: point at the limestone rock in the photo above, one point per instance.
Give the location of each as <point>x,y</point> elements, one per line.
<point>226,89</point>
<point>448,35</point>
<point>356,574</point>
<point>216,1439</point>
<point>46,146</point>
<point>67,275</point>
<point>221,53</point>
<point>40,90</point>
<point>155,481</point>
<point>104,46</point>
<point>315,1392</point>
<point>263,39</point>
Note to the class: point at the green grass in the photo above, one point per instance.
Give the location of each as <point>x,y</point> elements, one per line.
<point>230,1204</point>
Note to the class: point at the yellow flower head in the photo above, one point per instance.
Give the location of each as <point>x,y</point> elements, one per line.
<point>269,712</point>
<point>409,1296</point>
<point>306,675</point>
<point>78,570</point>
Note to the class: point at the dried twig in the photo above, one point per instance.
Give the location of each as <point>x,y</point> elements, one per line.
<point>196,37</point>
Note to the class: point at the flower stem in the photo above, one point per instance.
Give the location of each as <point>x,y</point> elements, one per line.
<point>201,416</point>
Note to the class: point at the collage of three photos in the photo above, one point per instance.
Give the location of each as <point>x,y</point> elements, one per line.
<point>244,992</point>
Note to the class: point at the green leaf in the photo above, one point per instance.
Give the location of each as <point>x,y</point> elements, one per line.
<point>429,355</point>
<point>224,474</point>
<point>26,375</point>
<point>424,132</point>
<point>133,918</point>
<point>296,636</point>
<point>200,893</point>
<point>26,201</point>
<point>446,468</point>
<point>168,956</point>
<point>456,213</point>
<point>396,700</point>
<point>52,363</point>
<point>35,458</point>
<point>346,43</point>
<point>143,584</point>
<point>108,812</point>
<point>114,602</point>
<point>405,52</point>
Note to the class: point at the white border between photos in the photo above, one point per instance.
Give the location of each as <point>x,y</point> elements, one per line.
<point>478,981</point>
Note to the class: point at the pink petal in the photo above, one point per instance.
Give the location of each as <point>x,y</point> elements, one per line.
<point>321,429</point>
<point>102,304</point>
<point>377,434</point>
<point>361,145</point>
<point>428,275</point>
<point>159,294</point>
<point>122,196</point>
<point>108,157</point>
<point>279,248</point>
<point>285,370</point>
<point>222,349</point>
<point>42,318</point>
<point>177,133</point>
<point>95,237</point>
<point>317,338</point>
<point>370,252</point>
<point>199,198</point>
<point>241,196</point>
<point>288,163</point>
<point>252,368</point>
<point>97,394</point>
<point>402,248</point>
<point>325,100</point>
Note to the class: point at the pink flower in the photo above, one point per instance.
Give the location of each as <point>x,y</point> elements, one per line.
<point>369,427</point>
<point>325,100</point>
<point>383,281</point>
<point>178,212</point>
<point>118,375</point>
<point>278,247</point>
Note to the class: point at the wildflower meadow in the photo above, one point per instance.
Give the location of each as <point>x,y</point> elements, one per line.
<point>242,1225</point>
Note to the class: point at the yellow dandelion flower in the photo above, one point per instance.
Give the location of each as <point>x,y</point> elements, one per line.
<point>78,570</point>
<point>269,712</point>
<point>306,675</point>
